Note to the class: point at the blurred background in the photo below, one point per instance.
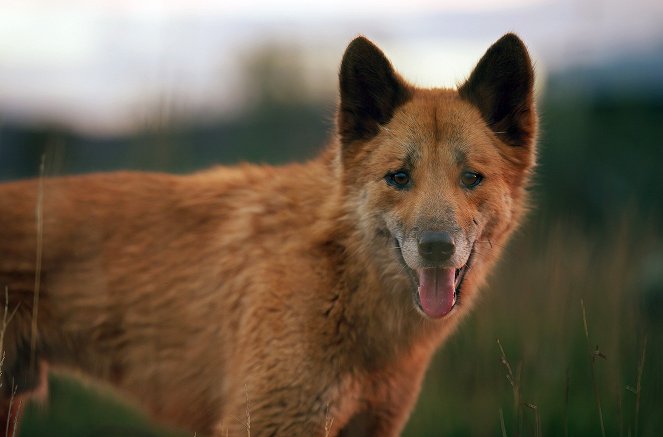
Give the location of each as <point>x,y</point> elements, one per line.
<point>98,85</point>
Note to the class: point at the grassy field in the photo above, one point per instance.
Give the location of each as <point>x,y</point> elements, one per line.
<point>560,375</point>
<point>551,377</point>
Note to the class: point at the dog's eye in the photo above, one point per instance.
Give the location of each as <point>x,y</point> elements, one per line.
<point>470,179</point>
<point>399,179</point>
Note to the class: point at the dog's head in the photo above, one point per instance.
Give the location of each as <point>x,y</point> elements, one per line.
<point>436,177</point>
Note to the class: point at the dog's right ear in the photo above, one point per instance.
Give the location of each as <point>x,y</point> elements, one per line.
<point>370,91</point>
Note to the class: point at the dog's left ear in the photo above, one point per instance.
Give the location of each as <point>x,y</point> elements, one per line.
<point>370,92</point>
<point>502,87</point>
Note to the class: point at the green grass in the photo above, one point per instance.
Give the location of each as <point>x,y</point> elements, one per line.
<point>533,306</point>
<point>75,410</point>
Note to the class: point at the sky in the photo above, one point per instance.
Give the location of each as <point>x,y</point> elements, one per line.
<point>99,66</point>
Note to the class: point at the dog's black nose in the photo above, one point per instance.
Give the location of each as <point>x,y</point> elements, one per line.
<point>436,247</point>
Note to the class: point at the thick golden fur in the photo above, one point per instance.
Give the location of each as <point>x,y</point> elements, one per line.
<point>281,284</point>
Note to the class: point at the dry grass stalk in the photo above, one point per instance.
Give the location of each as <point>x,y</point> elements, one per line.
<point>329,422</point>
<point>594,355</point>
<point>537,418</point>
<point>6,318</point>
<point>502,426</point>
<point>20,407</point>
<point>248,412</point>
<point>638,386</point>
<point>9,409</point>
<point>39,213</point>
<point>514,380</point>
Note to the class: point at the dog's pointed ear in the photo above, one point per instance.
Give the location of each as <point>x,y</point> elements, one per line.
<point>370,91</point>
<point>502,87</point>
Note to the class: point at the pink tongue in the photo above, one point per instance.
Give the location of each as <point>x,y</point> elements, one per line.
<point>436,291</point>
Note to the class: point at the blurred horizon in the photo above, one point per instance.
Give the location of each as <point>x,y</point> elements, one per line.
<point>107,68</point>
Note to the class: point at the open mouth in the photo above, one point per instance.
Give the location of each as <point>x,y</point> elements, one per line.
<point>438,288</point>
<point>460,274</point>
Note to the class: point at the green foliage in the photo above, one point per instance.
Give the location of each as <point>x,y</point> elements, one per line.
<point>73,410</point>
<point>600,157</point>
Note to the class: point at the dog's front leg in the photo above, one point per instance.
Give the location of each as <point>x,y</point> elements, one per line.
<point>390,395</point>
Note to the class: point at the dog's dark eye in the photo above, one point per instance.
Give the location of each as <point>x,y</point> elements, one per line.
<point>399,179</point>
<point>470,179</point>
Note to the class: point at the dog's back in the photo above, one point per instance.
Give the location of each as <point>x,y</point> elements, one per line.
<point>130,269</point>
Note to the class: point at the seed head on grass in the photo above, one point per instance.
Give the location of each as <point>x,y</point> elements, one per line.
<point>537,418</point>
<point>514,380</point>
<point>515,386</point>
